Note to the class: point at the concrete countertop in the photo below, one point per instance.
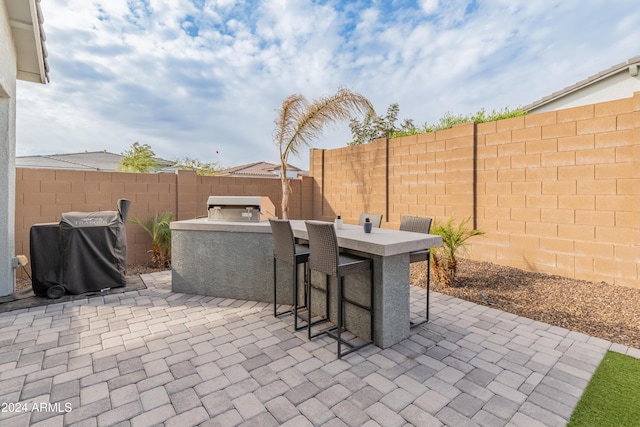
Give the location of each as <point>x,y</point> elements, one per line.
<point>381,241</point>
<point>203,224</point>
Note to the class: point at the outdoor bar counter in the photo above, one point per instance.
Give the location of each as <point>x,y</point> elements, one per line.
<point>235,260</point>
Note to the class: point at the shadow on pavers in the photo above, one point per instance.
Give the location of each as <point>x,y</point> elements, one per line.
<point>25,298</point>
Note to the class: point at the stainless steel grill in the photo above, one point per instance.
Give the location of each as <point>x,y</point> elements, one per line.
<point>240,208</point>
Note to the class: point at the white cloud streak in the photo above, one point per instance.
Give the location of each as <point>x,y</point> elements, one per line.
<point>190,77</point>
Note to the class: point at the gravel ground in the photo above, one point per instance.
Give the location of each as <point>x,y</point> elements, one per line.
<point>598,309</point>
<point>601,310</point>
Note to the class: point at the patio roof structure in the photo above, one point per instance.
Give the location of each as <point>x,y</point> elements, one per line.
<point>26,19</point>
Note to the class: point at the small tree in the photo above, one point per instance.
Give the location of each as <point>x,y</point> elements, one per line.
<point>201,168</point>
<point>160,233</point>
<point>299,122</point>
<point>139,158</point>
<point>454,239</point>
<point>374,127</point>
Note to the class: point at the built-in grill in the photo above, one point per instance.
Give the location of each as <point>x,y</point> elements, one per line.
<point>240,208</point>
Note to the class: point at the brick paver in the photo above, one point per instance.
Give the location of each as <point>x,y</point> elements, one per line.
<point>153,357</point>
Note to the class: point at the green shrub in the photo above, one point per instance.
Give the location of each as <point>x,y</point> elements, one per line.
<point>374,126</point>
<point>160,232</point>
<point>454,240</point>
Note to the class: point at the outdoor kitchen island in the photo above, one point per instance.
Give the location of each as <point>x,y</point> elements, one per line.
<point>235,260</point>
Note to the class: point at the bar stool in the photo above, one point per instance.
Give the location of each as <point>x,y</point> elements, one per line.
<point>325,258</point>
<point>417,224</point>
<point>285,249</point>
<point>375,219</point>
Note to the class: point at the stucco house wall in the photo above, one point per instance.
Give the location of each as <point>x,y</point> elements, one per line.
<point>617,82</point>
<point>22,56</point>
<point>8,70</point>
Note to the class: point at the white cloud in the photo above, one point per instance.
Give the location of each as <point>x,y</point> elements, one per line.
<point>191,77</point>
<point>429,6</point>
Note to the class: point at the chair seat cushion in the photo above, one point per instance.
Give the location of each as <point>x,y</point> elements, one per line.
<point>302,249</point>
<point>351,264</point>
<point>302,253</point>
<point>418,256</point>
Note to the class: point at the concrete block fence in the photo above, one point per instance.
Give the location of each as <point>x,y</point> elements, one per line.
<point>556,192</point>
<point>42,195</point>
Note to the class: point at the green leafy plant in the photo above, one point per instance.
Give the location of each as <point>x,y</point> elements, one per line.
<point>481,116</point>
<point>139,158</point>
<point>374,127</point>
<point>454,240</point>
<point>160,232</point>
<point>201,168</point>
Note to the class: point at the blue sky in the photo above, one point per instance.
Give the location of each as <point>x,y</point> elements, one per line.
<point>195,77</point>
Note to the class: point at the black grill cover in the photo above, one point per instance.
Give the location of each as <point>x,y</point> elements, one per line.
<point>46,257</point>
<point>93,248</point>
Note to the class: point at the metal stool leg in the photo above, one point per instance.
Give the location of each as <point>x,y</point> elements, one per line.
<point>296,307</point>
<point>309,307</point>
<point>426,319</point>
<point>340,314</point>
<point>295,296</point>
<point>275,291</point>
<point>340,326</point>
<point>428,283</point>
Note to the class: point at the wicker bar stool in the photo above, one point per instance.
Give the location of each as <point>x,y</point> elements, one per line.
<point>417,224</point>
<point>287,250</point>
<point>325,258</point>
<point>375,219</point>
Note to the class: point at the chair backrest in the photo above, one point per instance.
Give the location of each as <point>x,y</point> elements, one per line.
<point>416,224</point>
<point>323,247</point>
<point>284,244</point>
<point>375,219</point>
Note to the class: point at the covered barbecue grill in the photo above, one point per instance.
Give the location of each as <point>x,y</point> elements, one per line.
<point>85,252</point>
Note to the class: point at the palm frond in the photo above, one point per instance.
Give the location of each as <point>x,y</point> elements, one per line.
<point>299,122</point>
<point>286,122</point>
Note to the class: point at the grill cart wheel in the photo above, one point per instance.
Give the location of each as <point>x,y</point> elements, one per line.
<point>56,291</point>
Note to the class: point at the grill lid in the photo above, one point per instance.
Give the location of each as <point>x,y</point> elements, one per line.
<point>240,208</point>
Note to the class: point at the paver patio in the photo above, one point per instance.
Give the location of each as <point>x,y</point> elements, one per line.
<point>154,357</point>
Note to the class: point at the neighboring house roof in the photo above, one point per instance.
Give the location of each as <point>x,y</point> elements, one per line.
<point>25,19</point>
<point>89,160</point>
<point>616,82</point>
<point>108,162</point>
<point>262,170</point>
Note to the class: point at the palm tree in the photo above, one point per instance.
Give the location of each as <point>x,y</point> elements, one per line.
<point>300,122</point>
<point>454,240</point>
<point>160,232</point>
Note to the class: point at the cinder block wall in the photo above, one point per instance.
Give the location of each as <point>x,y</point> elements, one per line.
<point>42,195</point>
<point>429,174</point>
<point>558,192</point>
<point>555,192</point>
<point>193,192</point>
